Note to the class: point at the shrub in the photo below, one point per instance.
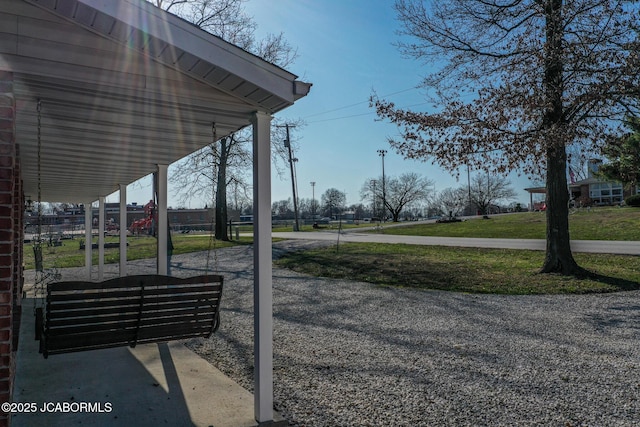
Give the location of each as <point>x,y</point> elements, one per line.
<point>633,201</point>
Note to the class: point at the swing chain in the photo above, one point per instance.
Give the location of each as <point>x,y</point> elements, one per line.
<point>39,134</point>
<point>37,240</point>
<point>42,276</point>
<point>212,238</point>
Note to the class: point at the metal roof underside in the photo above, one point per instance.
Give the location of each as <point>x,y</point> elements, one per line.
<point>124,86</point>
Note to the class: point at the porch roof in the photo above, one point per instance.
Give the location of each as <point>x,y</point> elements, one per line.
<point>123,86</point>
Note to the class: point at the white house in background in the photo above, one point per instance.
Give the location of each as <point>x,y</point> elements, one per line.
<point>590,191</point>
<point>597,191</point>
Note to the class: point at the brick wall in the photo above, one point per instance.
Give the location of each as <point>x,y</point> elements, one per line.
<point>10,238</point>
<point>18,270</point>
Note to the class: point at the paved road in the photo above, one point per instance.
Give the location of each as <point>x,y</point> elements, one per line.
<point>592,246</point>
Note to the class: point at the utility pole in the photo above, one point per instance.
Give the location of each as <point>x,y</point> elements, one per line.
<point>375,198</point>
<point>295,180</point>
<point>488,193</point>
<point>469,187</point>
<point>384,191</point>
<point>287,143</point>
<point>313,200</point>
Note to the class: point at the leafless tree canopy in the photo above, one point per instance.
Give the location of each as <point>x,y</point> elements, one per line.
<point>333,201</point>
<point>488,190</point>
<point>196,174</point>
<point>490,58</point>
<point>515,83</point>
<point>224,164</point>
<point>399,192</point>
<point>228,20</point>
<point>451,201</point>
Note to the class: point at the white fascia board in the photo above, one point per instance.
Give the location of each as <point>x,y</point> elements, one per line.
<point>189,38</point>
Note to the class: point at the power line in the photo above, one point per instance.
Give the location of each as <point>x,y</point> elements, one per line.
<point>361,114</point>
<point>342,117</point>
<point>358,103</point>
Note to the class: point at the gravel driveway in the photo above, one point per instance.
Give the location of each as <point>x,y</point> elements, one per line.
<point>352,354</point>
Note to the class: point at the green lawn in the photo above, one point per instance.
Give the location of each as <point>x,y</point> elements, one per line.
<point>424,267</point>
<point>484,270</point>
<point>463,269</point>
<point>322,227</point>
<point>596,224</point>
<point>70,254</point>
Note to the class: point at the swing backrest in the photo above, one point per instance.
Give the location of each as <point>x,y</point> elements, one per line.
<point>128,311</point>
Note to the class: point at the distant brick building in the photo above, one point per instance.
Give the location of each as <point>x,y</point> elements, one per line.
<point>592,191</point>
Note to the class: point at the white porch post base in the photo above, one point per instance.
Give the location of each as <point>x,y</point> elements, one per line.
<point>262,272</point>
<point>101,220</point>
<point>123,230</point>
<point>88,245</point>
<point>162,227</point>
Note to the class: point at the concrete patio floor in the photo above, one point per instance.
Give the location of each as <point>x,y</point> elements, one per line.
<point>150,385</point>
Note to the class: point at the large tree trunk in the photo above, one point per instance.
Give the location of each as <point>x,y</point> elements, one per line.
<point>559,258</point>
<point>221,194</point>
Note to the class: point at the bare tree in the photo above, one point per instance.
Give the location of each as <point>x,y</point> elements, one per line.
<point>358,210</point>
<point>283,209</point>
<point>577,163</point>
<point>239,195</point>
<point>226,161</point>
<point>209,171</point>
<point>399,191</point>
<point>521,81</point>
<point>333,201</point>
<point>452,201</point>
<point>228,20</point>
<point>487,190</point>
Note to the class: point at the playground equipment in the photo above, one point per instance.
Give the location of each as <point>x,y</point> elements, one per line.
<point>145,225</point>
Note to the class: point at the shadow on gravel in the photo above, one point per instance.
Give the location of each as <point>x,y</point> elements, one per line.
<point>415,358</point>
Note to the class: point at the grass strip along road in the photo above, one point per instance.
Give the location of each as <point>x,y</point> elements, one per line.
<point>437,267</point>
<point>484,270</point>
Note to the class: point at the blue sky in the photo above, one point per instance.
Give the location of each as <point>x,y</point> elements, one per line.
<point>346,50</point>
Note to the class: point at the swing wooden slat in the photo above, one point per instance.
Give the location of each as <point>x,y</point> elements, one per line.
<point>90,309</point>
<point>127,294</point>
<point>57,324</point>
<point>128,310</point>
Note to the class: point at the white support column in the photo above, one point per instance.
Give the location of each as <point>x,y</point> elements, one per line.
<point>88,237</point>
<point>262,272</point>
<point>123,230</point>
<point>162,226</point>
<point>101,220</point>
<point>531,201</point>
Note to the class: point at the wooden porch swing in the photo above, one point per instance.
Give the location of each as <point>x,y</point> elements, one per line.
<point>124,311</point>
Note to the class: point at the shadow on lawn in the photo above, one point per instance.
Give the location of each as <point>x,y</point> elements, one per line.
<point>614,282</point>
<point>455,275</point>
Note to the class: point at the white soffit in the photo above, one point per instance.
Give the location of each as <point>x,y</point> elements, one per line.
<point>173,41</point>
<point>117,100</point>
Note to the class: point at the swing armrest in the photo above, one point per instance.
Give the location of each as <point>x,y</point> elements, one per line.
<point>39,323</point>
<point>40,333</point>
